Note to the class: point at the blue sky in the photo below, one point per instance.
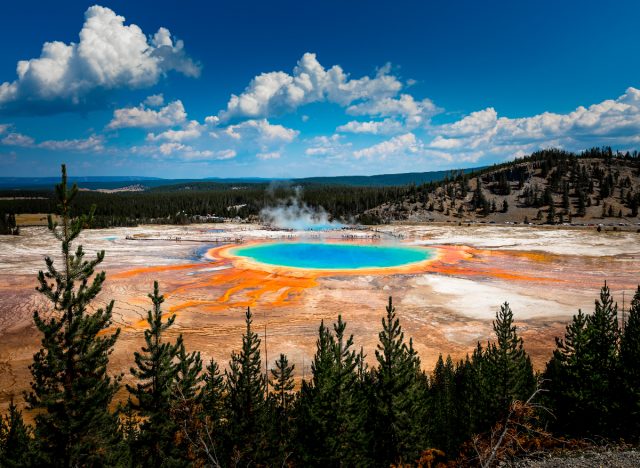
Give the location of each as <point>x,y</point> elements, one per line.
<point>290,88</point>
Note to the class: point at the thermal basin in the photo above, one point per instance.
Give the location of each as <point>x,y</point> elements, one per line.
<point>333,256</point>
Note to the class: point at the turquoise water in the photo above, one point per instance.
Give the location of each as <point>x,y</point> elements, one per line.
<point>333,256</point>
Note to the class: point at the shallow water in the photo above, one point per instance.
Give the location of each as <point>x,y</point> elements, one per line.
<point>328,256</point>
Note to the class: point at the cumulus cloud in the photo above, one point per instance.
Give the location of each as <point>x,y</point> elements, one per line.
<point>328,146</point>
<point>155,100</point>
<point>142,117</point>
<point>184,152</point>
<point>400,114</point>
<point>190,131</point>
<point>93,143</point>
<point>259,131</point>
<point>4,128</point>
<point>400,145</point>
<point>382,127</point>
<point>109,55</point>
<point>277,92</point>
<point>18,139</point>
<point>483,133</point>
<point>403,106</point>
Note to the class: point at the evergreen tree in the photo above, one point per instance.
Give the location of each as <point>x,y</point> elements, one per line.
<point>282,382</point>
<point>153,394</point>
<point>511,372</point>
<point>246,398</point>
<point>331,409</point>
<point>396,409</point>
<point>582,372</point>
<point>188,372</point>
<point>630,372</point>
<point>446,427</point>
<point>15,439</point>
<point>71,389</point>
<point>564,373</point>
<point>185,403</point>
<point>212,397</point>
<point>210,422</point>
<point>602,353</point>
<point>282,400</point>
<point>551,214</point>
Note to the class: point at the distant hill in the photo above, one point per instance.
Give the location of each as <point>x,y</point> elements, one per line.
<point>384,180</point>
<point>549,187</point>
<point>89,182</point>
<point>209,183</point>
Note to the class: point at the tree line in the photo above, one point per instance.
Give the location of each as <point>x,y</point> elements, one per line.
<point>181,411</point>
<point>565,171</point>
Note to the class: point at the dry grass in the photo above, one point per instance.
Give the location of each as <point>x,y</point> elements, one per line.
<point>31,219</point>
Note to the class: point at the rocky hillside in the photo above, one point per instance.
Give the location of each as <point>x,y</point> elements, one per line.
<point>548,187</point>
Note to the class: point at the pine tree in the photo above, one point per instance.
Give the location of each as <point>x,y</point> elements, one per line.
<point>563,375</point>
<point>71,390</point>
<point>185,402</point>
<point>282,382</point>
<point>246,398</point>
<point>212,395</point>
<point>582,372</point>
<point>510,367</point>
<point>446,423</point>
<point>314,406</point>
<point>331,409</point>
<point>551,214</point>
<point>396,405</point>
<point>153,394</point>
<point>630,372</point>
<point>282,399</point>
<point>188,373</point>
<point>602,352</point>
<point>345,440</point>
<point>212,416</point>
<point>15,439</point>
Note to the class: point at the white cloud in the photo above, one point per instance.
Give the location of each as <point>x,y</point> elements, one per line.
<point>403,106</point>
<point>18,139</point>
<point>155,100</point>
<point>4,128</point>
<point>93,143</point>
<point>190,131</point>
<point>184,152</point>
<point>328,146</point>
<point>373,127</point>
<point>401,114</point>
<point>259,131</point>
<point>277,92</point>
<point>400,145</point>
<point>108,55</point>
<point>142,117</point>
<point>267,156</point>
<point>484,133</point>
<point>225,154</point>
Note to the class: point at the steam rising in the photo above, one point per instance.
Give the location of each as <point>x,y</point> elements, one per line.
<point>295,214</point>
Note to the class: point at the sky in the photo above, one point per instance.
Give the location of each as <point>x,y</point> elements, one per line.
<point>292,89</point>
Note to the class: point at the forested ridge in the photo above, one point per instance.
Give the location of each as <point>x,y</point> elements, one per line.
<point>181,411</point>
<point>548,187</point>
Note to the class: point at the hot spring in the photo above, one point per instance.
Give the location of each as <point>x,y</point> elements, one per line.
<point>330,256</point>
